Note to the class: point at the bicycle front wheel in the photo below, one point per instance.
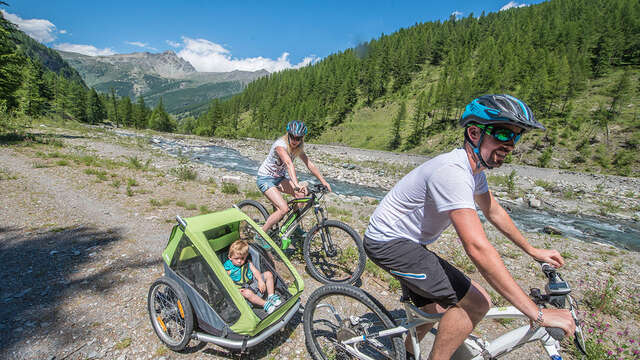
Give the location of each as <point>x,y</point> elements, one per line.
<point>254,210</point>
<point>333,253</point>
<point>334,314</point>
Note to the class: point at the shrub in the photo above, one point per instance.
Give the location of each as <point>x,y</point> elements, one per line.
<point>545,158</point>
<point>230,188</point>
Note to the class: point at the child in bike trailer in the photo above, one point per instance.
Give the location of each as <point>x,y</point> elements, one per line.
<point>252,283</point>
<point>443,191</point>
<point>277,174</point>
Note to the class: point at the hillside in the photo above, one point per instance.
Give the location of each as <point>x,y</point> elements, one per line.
<point>152,76</point>
<point>575,62</point>
<point>49,58</point>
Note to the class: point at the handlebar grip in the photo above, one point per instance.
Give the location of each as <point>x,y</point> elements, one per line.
<point>556,333</point>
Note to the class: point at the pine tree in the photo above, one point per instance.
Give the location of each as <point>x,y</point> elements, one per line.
<point>77,100</point>
<point>140,114</point>
<point>126,109</point>
<point>396,140</point>
<point>160,120</point>
<point>10,64</point>
<point>96,111</point>
<point>33,92</point>
<point>115,107</point>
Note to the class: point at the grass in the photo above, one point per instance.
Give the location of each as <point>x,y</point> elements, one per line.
<point>336,211</point>
<point>6,175</point>
<point>185,173</point>
<point>123,344</point>
<point>230,188</point>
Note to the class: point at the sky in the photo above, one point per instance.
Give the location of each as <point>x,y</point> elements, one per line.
<point>217,36</point>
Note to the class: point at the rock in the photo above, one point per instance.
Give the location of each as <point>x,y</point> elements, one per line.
<point>537,189</point>
<point>535,203</point>
<point>552,230</point>
<point>231,179</point>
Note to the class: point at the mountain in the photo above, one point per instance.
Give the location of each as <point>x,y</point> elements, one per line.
<point>154,76</point>
<point>49,58</point>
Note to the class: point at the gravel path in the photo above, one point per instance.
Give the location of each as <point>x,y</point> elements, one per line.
<point>84,220</point>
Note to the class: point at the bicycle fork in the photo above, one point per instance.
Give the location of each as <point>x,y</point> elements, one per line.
<point>325,235</point>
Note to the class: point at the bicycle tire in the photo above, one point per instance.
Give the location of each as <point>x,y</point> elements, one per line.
<point>334,266</point>
<point>321,323</point>
<point>170,313</point>
<point>255,210</point>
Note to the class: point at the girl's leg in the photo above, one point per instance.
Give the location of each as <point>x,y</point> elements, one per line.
<point>274,195</point>
<point>252,297</point>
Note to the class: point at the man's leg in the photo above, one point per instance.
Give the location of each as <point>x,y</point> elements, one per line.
<point>422,330</point>
<point>459,320</point>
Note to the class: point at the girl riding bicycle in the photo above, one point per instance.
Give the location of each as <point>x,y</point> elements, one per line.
<point>277,173</point>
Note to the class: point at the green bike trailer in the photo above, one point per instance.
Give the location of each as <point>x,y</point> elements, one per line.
<point>196,298</point>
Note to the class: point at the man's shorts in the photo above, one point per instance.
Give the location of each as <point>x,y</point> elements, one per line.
<point>428,278</point>
<point>267,182</point>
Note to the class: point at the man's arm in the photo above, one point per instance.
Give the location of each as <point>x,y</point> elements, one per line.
<point>502,221</point>
<point>486,258</point>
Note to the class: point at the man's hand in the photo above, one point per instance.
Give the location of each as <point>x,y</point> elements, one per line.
<point>551,257</point>
<point>559,318</point>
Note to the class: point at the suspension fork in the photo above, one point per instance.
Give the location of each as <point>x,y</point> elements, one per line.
<point>325,236</point>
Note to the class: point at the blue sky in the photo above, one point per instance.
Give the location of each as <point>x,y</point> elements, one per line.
<point>233,35</point>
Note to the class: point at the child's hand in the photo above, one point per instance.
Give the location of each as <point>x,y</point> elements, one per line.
<point>262,286</point>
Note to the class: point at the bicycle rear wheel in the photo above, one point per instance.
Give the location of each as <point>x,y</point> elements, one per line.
<point>335,313</point>
<point>333,253</point>
<point>256,211</point>
<point>170,313</point>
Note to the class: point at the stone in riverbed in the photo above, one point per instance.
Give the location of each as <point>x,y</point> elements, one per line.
<point>552,230</point>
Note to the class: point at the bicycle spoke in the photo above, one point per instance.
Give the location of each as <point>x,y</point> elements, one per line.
<point>333,253</point>
<point>356,320</point>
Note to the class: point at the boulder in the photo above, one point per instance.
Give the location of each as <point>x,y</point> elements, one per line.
<point>548,229</point>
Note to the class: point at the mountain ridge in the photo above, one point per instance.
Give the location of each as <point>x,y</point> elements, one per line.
<point>159,75</point>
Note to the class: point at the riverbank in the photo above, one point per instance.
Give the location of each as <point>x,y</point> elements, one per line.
<point>86,213</point>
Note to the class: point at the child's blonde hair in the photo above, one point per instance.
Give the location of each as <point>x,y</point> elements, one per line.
<point>239,247</point>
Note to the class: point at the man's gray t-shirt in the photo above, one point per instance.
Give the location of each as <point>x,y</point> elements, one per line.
<point>417,206</point>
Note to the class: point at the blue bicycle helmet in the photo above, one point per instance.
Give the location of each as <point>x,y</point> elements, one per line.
<point>296,128</point>
<point>500,109</point>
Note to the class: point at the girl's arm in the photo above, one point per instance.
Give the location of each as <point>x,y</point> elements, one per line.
<point>314,170</point>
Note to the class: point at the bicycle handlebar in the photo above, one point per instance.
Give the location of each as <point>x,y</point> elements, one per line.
<point>557,290</point>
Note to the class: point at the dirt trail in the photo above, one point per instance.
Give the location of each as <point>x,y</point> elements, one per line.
<point>82,230</point>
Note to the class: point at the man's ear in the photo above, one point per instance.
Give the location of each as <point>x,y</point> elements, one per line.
<point>474,133</point>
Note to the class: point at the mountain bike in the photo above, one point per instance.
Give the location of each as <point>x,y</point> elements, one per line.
<point>344,322</point>
<point>332,250</point>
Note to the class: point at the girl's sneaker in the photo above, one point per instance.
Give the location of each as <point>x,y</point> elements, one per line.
<point>269,307</point>
<point>275,299</point>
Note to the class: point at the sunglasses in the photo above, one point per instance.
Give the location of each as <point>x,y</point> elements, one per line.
<point>500,133</point>
<point>296,138</point>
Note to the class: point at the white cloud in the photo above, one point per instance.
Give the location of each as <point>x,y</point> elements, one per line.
<point>62,31</point>
<point>457,14</point>
<point>173,44</point>
<point>207,56</point>
<point>512,4</point>
<point>39,29</point>
<point>141,44</point>
<point>84,49</point>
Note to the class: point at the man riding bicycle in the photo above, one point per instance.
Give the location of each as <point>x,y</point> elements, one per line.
<point>445,190</point>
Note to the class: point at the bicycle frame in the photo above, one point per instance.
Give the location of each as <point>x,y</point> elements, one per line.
<point>295,215</point>
<point>473,348</point>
